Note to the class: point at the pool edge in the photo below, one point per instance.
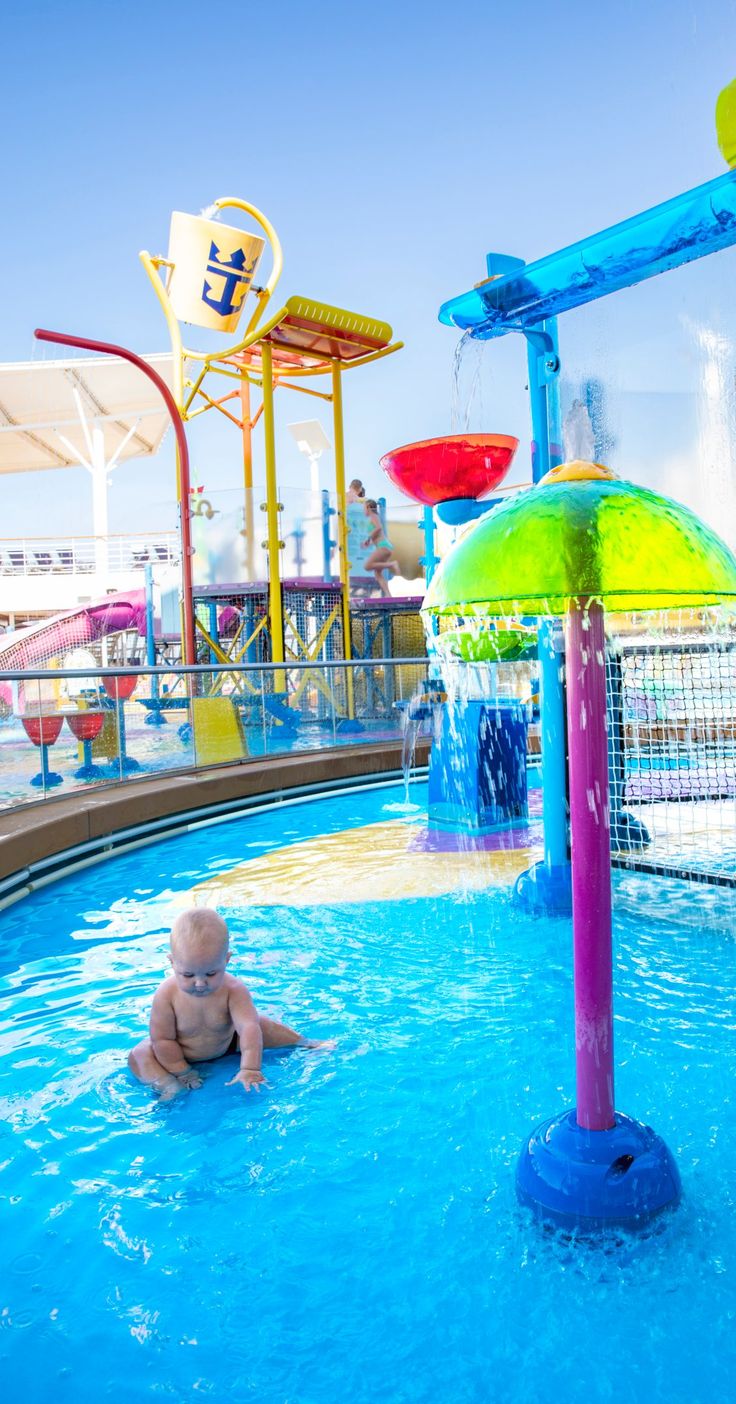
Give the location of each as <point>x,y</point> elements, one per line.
<point>47,840</point>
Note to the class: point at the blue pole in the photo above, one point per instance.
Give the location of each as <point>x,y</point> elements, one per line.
<point>299,534</point>
<point>155,717</point>
<point>327,542</point>
<point>548,884</point>
<point>429,560</point>
<point>150,640</point>
<point>212,613</point>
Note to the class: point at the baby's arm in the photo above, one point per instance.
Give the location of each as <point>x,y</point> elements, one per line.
<point>164,1041</point>
<point>245,1018</point>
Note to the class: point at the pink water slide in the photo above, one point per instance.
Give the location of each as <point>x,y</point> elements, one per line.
<point>34,646</point>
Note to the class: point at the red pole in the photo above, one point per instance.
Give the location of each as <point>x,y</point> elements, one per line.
<point>106,348</point>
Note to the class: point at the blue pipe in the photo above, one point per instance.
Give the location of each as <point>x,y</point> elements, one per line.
<point>327,541</point>
<point>430,560</point>
<point>155,716</point>
<point>698,222</point>
<point>547,886</point>
<point>150,640</point>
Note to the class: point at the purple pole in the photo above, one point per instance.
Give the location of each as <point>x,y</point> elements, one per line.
<point>591,864</point>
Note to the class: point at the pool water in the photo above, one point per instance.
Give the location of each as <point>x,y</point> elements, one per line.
<point>352,1233</point>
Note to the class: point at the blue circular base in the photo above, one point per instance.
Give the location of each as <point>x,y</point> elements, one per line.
<point>155,718</point>
<point>628,834</point>
<point>52,779</point>
<point>348,725</point>
<point>596,1179</point>
<point>90,772</point>
<point>118,767</point>
<point>545,891</point>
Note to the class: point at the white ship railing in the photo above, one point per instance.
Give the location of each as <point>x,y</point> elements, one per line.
<point>23,556</point>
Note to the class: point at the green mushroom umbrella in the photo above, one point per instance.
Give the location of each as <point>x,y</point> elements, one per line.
<point>583,534</point>
<point>579,543</point>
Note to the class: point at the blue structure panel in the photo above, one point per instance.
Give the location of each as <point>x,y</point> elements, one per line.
<point>477,768</point>
<point>698,222</point>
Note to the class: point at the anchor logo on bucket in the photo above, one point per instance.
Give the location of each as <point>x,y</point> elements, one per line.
<point>213,269</point>
<point>236,276</point>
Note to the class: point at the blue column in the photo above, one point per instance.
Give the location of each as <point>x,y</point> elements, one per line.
<point>547,886</point>
<point>155,716</point>
<point>327,541</point>
<point>430,560</point>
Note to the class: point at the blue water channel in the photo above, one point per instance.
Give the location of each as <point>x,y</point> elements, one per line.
<point>352,1233</point>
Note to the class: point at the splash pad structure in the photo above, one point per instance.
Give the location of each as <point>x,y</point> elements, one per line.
<point>206,281</point>
<point>572,548</point>
<point>527,299</point>
<point>578,543</point>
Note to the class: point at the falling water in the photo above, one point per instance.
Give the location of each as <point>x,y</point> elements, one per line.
<point>716,429</point>
<point>411,724</point>
<point>423,714</point>
<point>467,390</point>
<point>577,434</point>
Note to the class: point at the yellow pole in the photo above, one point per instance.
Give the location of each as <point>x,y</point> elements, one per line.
<point>275,608</point>
<point>247,473</point>
<point>342,527</point>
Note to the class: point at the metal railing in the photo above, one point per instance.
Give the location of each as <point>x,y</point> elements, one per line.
<point>63,731</point>
<point>81,555</point>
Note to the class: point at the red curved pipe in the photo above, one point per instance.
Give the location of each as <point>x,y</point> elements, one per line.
<point>106,348</point>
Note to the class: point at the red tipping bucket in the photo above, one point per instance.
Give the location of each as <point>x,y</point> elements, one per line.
<point>120,688</point>
<point>457,466</point>
<point>43,730</point>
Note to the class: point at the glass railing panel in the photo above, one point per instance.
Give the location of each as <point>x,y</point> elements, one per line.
<point>68,731</point>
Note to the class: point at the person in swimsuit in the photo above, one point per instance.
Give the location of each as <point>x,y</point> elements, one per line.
<point>201,1013</point>
<point>381,557</point>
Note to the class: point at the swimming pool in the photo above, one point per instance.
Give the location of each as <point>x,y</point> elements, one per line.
<point>353,1232</point>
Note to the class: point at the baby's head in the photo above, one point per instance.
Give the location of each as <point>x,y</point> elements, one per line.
<point>200,950</point>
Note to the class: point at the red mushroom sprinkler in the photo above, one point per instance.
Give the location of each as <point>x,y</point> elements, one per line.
<point>580,543</point>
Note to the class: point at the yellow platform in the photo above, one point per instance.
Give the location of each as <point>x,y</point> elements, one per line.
<point>374,863</point>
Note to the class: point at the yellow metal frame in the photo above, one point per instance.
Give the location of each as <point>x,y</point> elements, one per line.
<point>237,363</point>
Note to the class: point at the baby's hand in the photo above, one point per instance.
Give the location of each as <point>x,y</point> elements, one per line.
<point>190,1078</point>
<point>250,1078</point>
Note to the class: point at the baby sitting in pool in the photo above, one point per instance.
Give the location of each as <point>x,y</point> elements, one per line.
<point>200,1013</point>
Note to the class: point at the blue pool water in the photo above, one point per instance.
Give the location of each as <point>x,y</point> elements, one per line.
<point>352,1234</point>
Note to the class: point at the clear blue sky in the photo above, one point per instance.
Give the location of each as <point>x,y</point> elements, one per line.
<point>390,144</point>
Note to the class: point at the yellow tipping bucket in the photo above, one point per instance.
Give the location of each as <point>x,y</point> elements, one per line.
<point>213,267</point>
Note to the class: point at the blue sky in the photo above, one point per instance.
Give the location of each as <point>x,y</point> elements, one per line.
<point>390,144</point>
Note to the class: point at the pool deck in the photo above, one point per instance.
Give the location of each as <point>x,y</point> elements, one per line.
<point>35,841</point>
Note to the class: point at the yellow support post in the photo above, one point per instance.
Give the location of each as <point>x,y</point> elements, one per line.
<point>342,529</point>
<point>247,474</point>
<point>275,607</point>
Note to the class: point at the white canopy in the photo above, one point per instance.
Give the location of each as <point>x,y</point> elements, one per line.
<point>50,411</point>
